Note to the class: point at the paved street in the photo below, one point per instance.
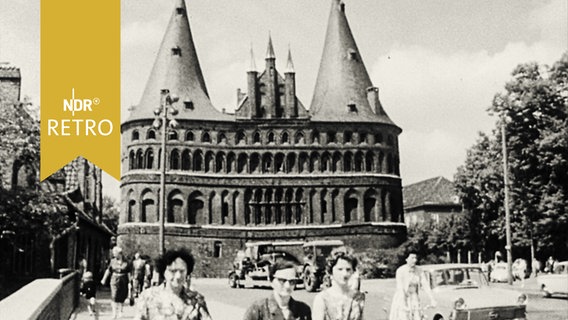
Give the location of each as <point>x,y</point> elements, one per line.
<point>226,303</point>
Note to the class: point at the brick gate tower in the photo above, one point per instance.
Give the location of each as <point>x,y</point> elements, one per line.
<point>273,169</point>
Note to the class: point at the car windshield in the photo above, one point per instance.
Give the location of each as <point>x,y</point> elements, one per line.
<point>324,250</point>
<point>463,277</point>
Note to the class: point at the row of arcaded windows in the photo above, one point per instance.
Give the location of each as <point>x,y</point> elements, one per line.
<point>271,137</point>
<point>270,163</point>
<point>265,206</point>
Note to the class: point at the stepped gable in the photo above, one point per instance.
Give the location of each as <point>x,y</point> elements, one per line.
<point>341,91</point>
<point>177,68</point>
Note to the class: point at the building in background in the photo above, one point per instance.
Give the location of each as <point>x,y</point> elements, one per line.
<point>273,170</point>
<point>34,244</point>
<point>430,201</point>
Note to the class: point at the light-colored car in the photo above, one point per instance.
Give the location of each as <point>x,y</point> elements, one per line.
<point>462,291</point>
<point>555,282</point>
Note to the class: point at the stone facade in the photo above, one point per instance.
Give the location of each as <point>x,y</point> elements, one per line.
<point>273,170</point>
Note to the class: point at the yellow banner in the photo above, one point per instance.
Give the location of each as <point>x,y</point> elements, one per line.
<point>80,84</point>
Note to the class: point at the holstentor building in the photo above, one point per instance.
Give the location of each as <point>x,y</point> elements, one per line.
<point>272,170</point>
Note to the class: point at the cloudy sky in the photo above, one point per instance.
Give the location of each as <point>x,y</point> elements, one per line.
<point>437,63</point>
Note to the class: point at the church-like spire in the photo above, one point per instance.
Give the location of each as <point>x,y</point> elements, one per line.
<point>340,93</point>
<point>177,69</point>
<point>289,63</point>
<point>270,50</point>
<point>252,66</point>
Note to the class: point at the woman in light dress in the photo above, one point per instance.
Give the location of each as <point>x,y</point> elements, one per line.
<point>343,300</point>
<point>406,303</point>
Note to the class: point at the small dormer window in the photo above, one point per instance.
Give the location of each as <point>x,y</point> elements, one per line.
<point>352,54</point>
<point>180,11</point>
<point>188,105</point>
<point>351,107</point>
<point>176,51</point>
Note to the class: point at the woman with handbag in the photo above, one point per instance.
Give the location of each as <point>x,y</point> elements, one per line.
<point>119,273</point>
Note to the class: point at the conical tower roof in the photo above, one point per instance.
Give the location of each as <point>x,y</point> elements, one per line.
<point>341,87</point>
<point>177,68</point>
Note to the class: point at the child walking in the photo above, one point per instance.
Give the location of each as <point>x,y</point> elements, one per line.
<point>89,289</point>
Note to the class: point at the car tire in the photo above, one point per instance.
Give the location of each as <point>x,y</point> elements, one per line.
<point>311,282</point>
<point>233,282</point>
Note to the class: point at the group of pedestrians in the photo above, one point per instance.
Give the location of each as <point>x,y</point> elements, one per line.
<point>174,297</point>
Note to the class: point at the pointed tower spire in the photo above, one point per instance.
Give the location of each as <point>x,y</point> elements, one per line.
<point>177,69</point>
<point>341,87</point>
<point>270,50</point>
<point>252,66</point>
<point>289,63</point>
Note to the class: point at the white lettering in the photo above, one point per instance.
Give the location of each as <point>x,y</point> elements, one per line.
<point>52,126</point>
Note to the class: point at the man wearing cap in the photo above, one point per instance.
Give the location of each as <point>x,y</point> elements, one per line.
<point>280,305</point>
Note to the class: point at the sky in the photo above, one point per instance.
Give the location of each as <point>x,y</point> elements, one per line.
<point>437,63</point>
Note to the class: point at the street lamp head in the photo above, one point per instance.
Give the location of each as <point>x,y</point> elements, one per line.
<point>173,124</point>
<point>157,111</point>
<point>174,111</point>
<point>156,124</point>
<point>174,98</point>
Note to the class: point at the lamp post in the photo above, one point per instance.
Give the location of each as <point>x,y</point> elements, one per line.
<point>167,101</point>
<point>508,247</point>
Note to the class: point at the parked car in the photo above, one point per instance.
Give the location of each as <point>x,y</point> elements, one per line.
<point>555,282</point>
<point>462,291</point>
<point>315,256</point>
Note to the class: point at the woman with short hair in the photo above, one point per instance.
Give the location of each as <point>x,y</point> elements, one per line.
<point>119,272</point>
<point>343,300</point>
<point>173,299</point>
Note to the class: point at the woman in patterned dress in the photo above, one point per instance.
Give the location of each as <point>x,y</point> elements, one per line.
<point>341,301</point>
<point>173,299</point>
<point>119,272</point>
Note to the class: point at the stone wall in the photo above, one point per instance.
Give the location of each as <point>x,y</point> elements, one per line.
<point>215,247</point>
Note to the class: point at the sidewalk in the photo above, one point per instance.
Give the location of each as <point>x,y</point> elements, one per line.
<point>218,310</point>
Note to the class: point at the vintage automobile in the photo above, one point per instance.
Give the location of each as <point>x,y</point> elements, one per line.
<point>555,282</point>
<point>461,291</point>
<point>315,255</point>
<point>250,266</point>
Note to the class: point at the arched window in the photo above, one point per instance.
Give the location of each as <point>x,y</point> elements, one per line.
<point>172,135</point>
<point>151,134</point>
<point>149,158</point>
<point>331,137</point>
<point>285,138</point>
<point>299,138</point>
<point>256,137</point>
<point>174,160</point>
<point>206,137</point>
<point>270,137</point>
<point>347,137</point>
<point>221,138</point>
<point>131,160</point>
<point>135,135</point>
<point>315,137</point>
<point>189,136</point>
<point>390,140</point>
<point>185,160</point>
<point>139,159</point>
<point>240,138</point>
<point>378,138</point>
<point>197,161</point>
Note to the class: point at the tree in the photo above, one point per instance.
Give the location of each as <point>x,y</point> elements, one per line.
<point>534,110</point>
<point>111,212</point>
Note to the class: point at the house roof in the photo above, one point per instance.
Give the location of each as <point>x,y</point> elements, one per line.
<point>434,191</point>
<point>8,71</point>
<point>342,80</point>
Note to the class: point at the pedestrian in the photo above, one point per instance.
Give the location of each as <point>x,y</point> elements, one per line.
<point>173,299</point>
<point>89,290</point>
<point>406,304</point>
<point>138,265</point>
<point>343,300</point>
<point>519,270</point>
<point>119,273</point>
<point>549,266</point>
<point>148,270</point>
<point>280,305</point>
<point>535,267</point>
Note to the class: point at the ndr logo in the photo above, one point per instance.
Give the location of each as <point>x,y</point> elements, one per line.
<point>77,105</point>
